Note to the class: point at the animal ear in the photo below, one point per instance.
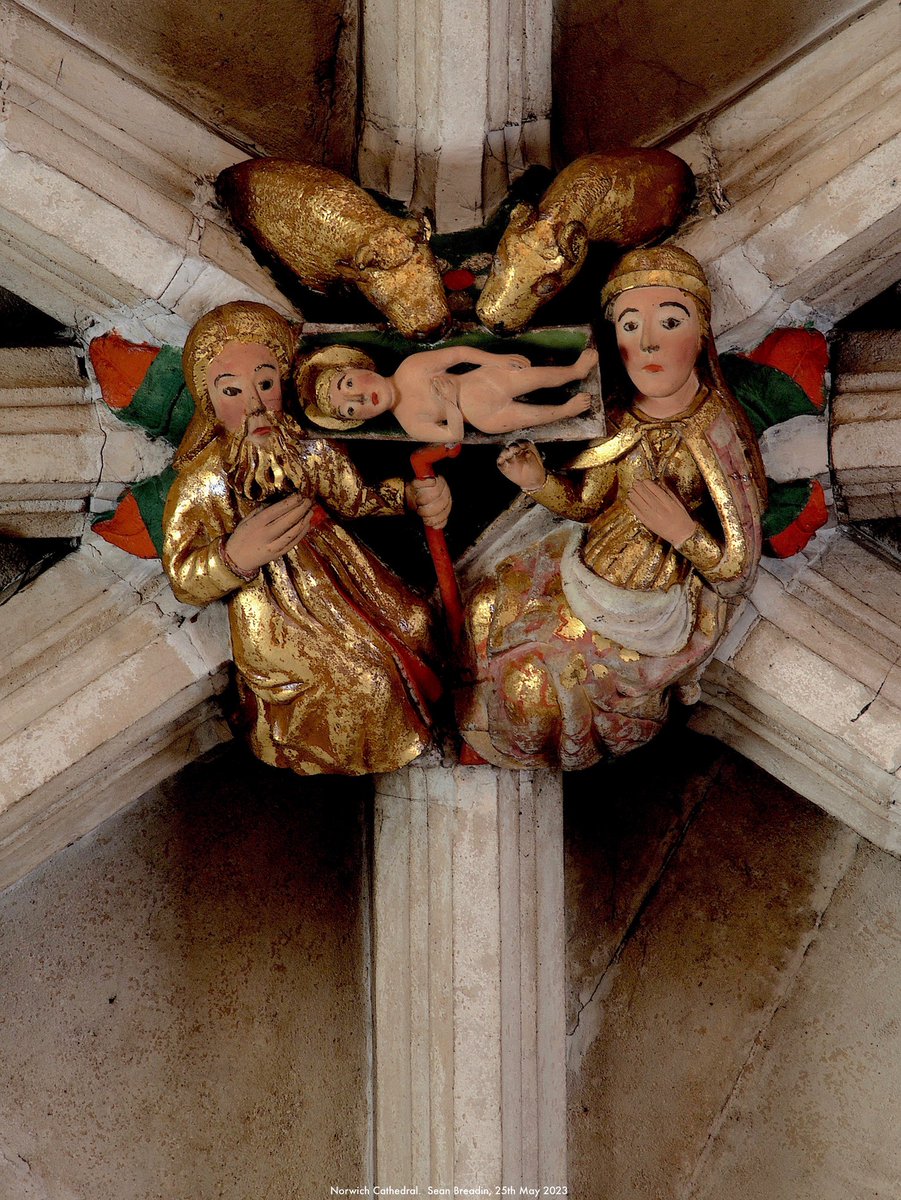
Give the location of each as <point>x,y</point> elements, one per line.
<point>522,216</point>
<point>365,257</point>
<point>419,228</point>
<point>573,241</point>
<point>387,250</point>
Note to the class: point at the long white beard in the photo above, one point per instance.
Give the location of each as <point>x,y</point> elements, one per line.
<point>257,472</point>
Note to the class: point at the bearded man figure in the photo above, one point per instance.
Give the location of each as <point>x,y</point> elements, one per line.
<point>332,650</point>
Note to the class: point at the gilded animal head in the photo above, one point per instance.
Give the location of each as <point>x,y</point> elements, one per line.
<point>536,258</point>
<point>397,273</point>
<point>324,227</point>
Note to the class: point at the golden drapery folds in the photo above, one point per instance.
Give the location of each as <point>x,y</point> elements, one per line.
<point>332,650</point>
<point>576,639</point>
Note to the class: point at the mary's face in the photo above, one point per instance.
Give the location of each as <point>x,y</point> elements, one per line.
<point>659,338</point>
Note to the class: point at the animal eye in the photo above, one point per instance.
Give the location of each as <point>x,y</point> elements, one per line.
<point>544,287</point>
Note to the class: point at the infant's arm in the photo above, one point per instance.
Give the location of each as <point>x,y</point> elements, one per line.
<point>427,429</point>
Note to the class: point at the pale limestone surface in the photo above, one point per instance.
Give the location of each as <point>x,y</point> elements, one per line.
<point>105,192</point>
<point>866,424</point>
<point>800,219</point>
<point>742,983</point>
<point>808,684</point>
<point>630,78</point>
<point>63,455</point>
<point>276,78</point>
<point>108,686</point>
<point>796,449</point>
<point>185,997</point>
<point>814,1114</point>
<point>467,958</point>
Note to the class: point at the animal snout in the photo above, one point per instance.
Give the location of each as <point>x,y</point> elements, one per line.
<point>500,328</point>
<point>433,334</point>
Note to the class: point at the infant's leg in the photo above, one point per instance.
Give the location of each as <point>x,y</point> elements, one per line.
<point>517,415</point>
<point>520,381</point>
<point>487,405</point>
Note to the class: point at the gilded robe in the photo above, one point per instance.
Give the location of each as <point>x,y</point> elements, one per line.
<point>330,647</point>
<point>575,640</point>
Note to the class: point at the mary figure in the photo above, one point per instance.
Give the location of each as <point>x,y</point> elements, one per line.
<point>619,587</point>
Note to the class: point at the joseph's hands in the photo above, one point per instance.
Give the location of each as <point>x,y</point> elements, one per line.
<point>269,532</point>
<point>430,499</point>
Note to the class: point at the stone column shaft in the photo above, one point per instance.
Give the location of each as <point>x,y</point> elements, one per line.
<point>456,101</point>
<point>470,1086</point>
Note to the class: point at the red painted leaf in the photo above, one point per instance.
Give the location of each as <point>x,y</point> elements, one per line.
<point>120,367</point>
<point>795,537</point>
<point>801,353</point>
<point>126,529</point>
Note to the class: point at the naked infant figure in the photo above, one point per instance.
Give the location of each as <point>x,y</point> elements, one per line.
<point>339,388</point>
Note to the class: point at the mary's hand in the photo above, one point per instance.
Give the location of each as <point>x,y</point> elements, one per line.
<point>269,533</point>
<point>661,511</point>
<point>522,465</point>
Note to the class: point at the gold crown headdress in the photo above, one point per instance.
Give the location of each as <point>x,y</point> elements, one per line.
<point>661,266</point>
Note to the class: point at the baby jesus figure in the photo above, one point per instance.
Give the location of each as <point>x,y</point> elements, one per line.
<point>339,388</point>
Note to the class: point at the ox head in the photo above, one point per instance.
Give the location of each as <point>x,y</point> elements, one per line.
<point>536,258</point>
<point>396,271</point>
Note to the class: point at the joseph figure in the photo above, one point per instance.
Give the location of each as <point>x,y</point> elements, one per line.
<point>333,652</point>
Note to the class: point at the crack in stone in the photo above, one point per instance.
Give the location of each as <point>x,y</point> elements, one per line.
<point>712,180</point>
<point>14,1159</point>
<point>648,897</point>
<point>81,354</point>
<point>876,694</point>
<point>174,276</point>
<point>328,78</point>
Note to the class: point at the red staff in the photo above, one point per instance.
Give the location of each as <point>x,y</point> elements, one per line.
<point>422,463</point>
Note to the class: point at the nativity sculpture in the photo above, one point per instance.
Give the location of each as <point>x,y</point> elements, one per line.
<point>576,637</point>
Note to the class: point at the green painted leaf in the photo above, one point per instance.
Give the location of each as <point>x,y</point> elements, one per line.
<point>162,406</point>
<point>786,503</point>
<point>150,495</point>
<point>768,395</point>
